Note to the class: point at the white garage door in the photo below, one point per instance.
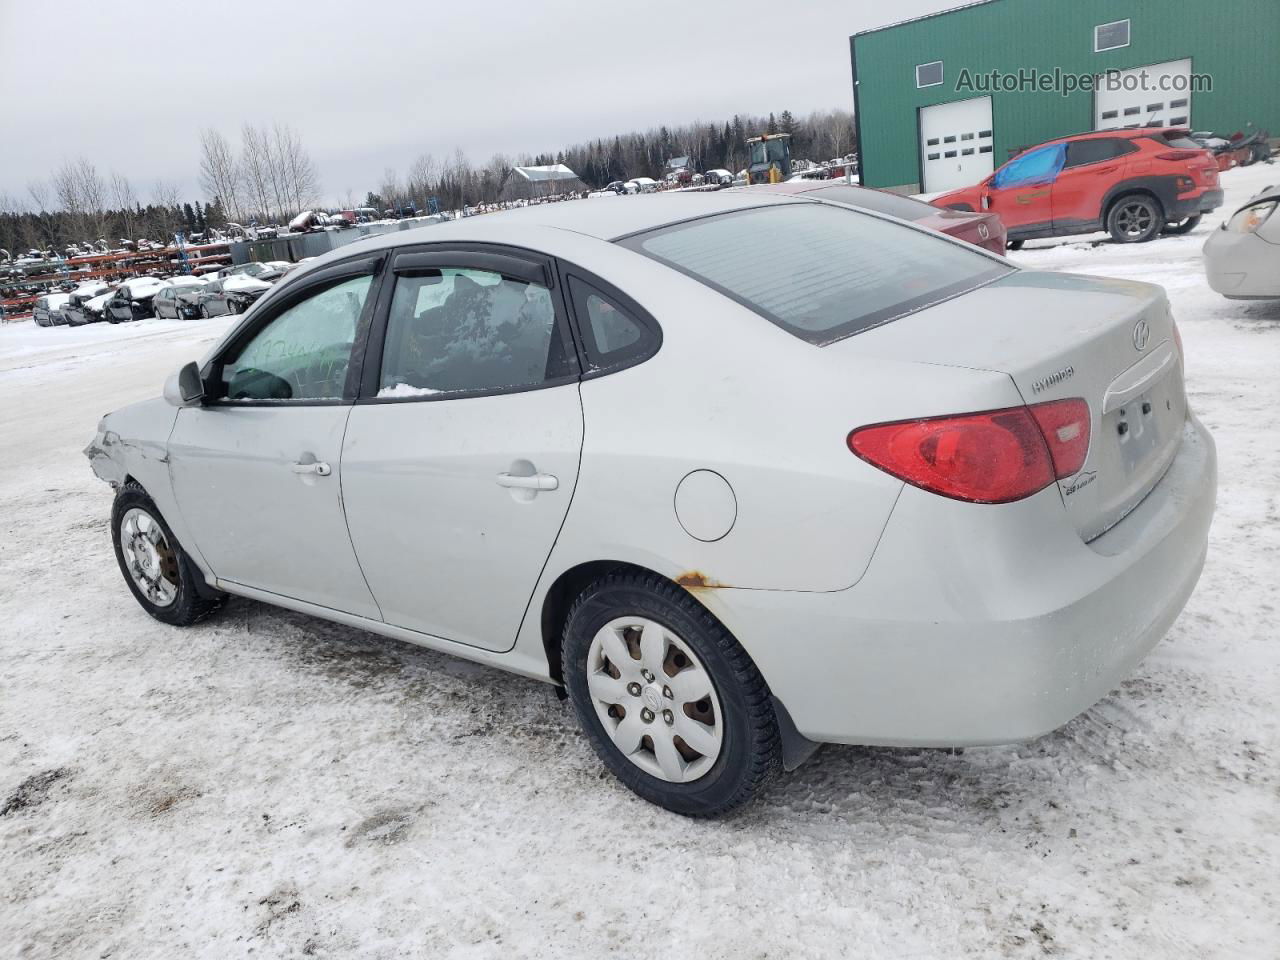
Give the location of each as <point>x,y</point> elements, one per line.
<point>955,144</point>
<point>1124,100</point>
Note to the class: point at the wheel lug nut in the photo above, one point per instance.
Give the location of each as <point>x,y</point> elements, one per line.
<point>646,715</point>
<point>633,689</point>
<point>668,716</point>
<point>666,692</point>
<point>648,677</point>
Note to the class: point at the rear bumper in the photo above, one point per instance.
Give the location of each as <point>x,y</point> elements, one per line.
<point>980,625</point>
<point>1204,202</point>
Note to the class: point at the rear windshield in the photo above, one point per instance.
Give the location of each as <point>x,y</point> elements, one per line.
<point>890,204</point>
<point>1178,139</point>
<point>822,273</point>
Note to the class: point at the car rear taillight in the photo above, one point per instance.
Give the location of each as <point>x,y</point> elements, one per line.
<point>1180,155</point>
<point>994,457</point>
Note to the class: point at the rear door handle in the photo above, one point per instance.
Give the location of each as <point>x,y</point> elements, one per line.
<point>317,467</point>
<point>539,481</point>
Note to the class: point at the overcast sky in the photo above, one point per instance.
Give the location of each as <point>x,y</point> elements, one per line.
<point>371,84</point>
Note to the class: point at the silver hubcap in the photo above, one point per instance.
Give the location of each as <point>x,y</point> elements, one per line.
<point>1135,219</point>
<point>147,556</point>
<point>654,699</point>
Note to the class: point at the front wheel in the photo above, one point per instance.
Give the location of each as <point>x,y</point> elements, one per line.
<point>1183,226</point>
<point>1135,219</point>
<point>158,571</point>
<point>668,698</point>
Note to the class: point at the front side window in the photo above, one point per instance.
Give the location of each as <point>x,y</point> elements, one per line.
<point>303,353</point>
<point>826,272</point>
<point>1035,167</point>
<point>458,330</point>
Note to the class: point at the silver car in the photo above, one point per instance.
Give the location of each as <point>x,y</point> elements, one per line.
<point>742,474</point>
<point>1242,257</point>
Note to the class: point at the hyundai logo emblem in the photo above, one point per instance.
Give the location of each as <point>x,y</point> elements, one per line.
<point>1141,334</point>
<point>983,232</point>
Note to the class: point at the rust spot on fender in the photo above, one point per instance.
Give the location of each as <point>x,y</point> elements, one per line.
<point>697,580</point>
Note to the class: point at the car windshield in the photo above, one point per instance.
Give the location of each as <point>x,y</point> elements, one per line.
<point>904,208</point>
<point>822,273</point>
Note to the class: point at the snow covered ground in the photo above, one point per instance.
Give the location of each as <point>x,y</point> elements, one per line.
<point>274,785</point>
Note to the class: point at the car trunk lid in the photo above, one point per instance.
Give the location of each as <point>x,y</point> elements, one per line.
<point>1057,336</point>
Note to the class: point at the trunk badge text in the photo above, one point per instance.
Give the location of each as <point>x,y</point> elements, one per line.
<point>1141,334</point>
<point>1053,379</point>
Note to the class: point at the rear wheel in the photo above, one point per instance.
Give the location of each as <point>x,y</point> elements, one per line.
<point>1135,219</point>
<point>668,698</point>
<point>1183,226</point>
<point>159,574</point>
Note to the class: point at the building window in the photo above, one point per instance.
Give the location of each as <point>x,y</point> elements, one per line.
<point>929,74</point>
<point>1110,36</point>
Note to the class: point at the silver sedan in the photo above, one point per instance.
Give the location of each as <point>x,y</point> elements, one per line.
<point>742,474</point>
<point>1242,257</point>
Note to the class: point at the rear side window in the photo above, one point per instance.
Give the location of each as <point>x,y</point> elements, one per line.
<point>822,273</point>
<point>612,334</point>
<point>904,208</point>
<point>456,330</point>
<point>1081,152</point>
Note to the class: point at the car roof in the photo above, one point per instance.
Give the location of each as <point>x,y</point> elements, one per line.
<point>1131,133</point>
<point>605,218</point>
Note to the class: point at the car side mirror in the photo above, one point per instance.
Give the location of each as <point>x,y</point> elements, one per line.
<point>184,388</point>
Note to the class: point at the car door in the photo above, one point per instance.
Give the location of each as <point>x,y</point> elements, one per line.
<point>1091,167</point>
<point>162,303</point>
<point>255,467</point>
<point>462,452</point>
<point>1021,191</point>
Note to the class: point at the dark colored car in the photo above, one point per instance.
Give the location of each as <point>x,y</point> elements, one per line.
<point>981,229</point>
<point>259,271</point>
<point>169,299</point>
<point>86,306</point>
<point>132,300</point>
<point>215,299</point>
<point>47,310</point>
<point>1131,183</point>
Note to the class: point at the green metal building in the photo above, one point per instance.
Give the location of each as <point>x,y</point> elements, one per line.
<point>932,116</point>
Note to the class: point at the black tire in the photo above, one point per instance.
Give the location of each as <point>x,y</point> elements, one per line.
<point>1135,218</point>
<point>1183,226</point>
<point>751,749</point>
<point>189,605</point>
<point>1016,244</point>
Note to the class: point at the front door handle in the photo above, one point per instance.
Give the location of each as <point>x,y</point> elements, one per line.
<point>317,467</point>
<point>538,481</point>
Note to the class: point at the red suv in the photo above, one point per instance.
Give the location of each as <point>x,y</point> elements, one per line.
<point>1131,183</point>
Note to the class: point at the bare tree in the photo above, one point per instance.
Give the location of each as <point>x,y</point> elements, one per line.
<point>219,173</point>
<point>423,173</point>
<point>80,192</point>
<point>299,178</point>
<point>125,202</point>
<point>390,190</point>
<point>255,167</point>
<point>168,198</point>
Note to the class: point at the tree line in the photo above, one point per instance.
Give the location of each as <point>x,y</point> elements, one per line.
<point>269,176</point>
<point>455,181</point>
